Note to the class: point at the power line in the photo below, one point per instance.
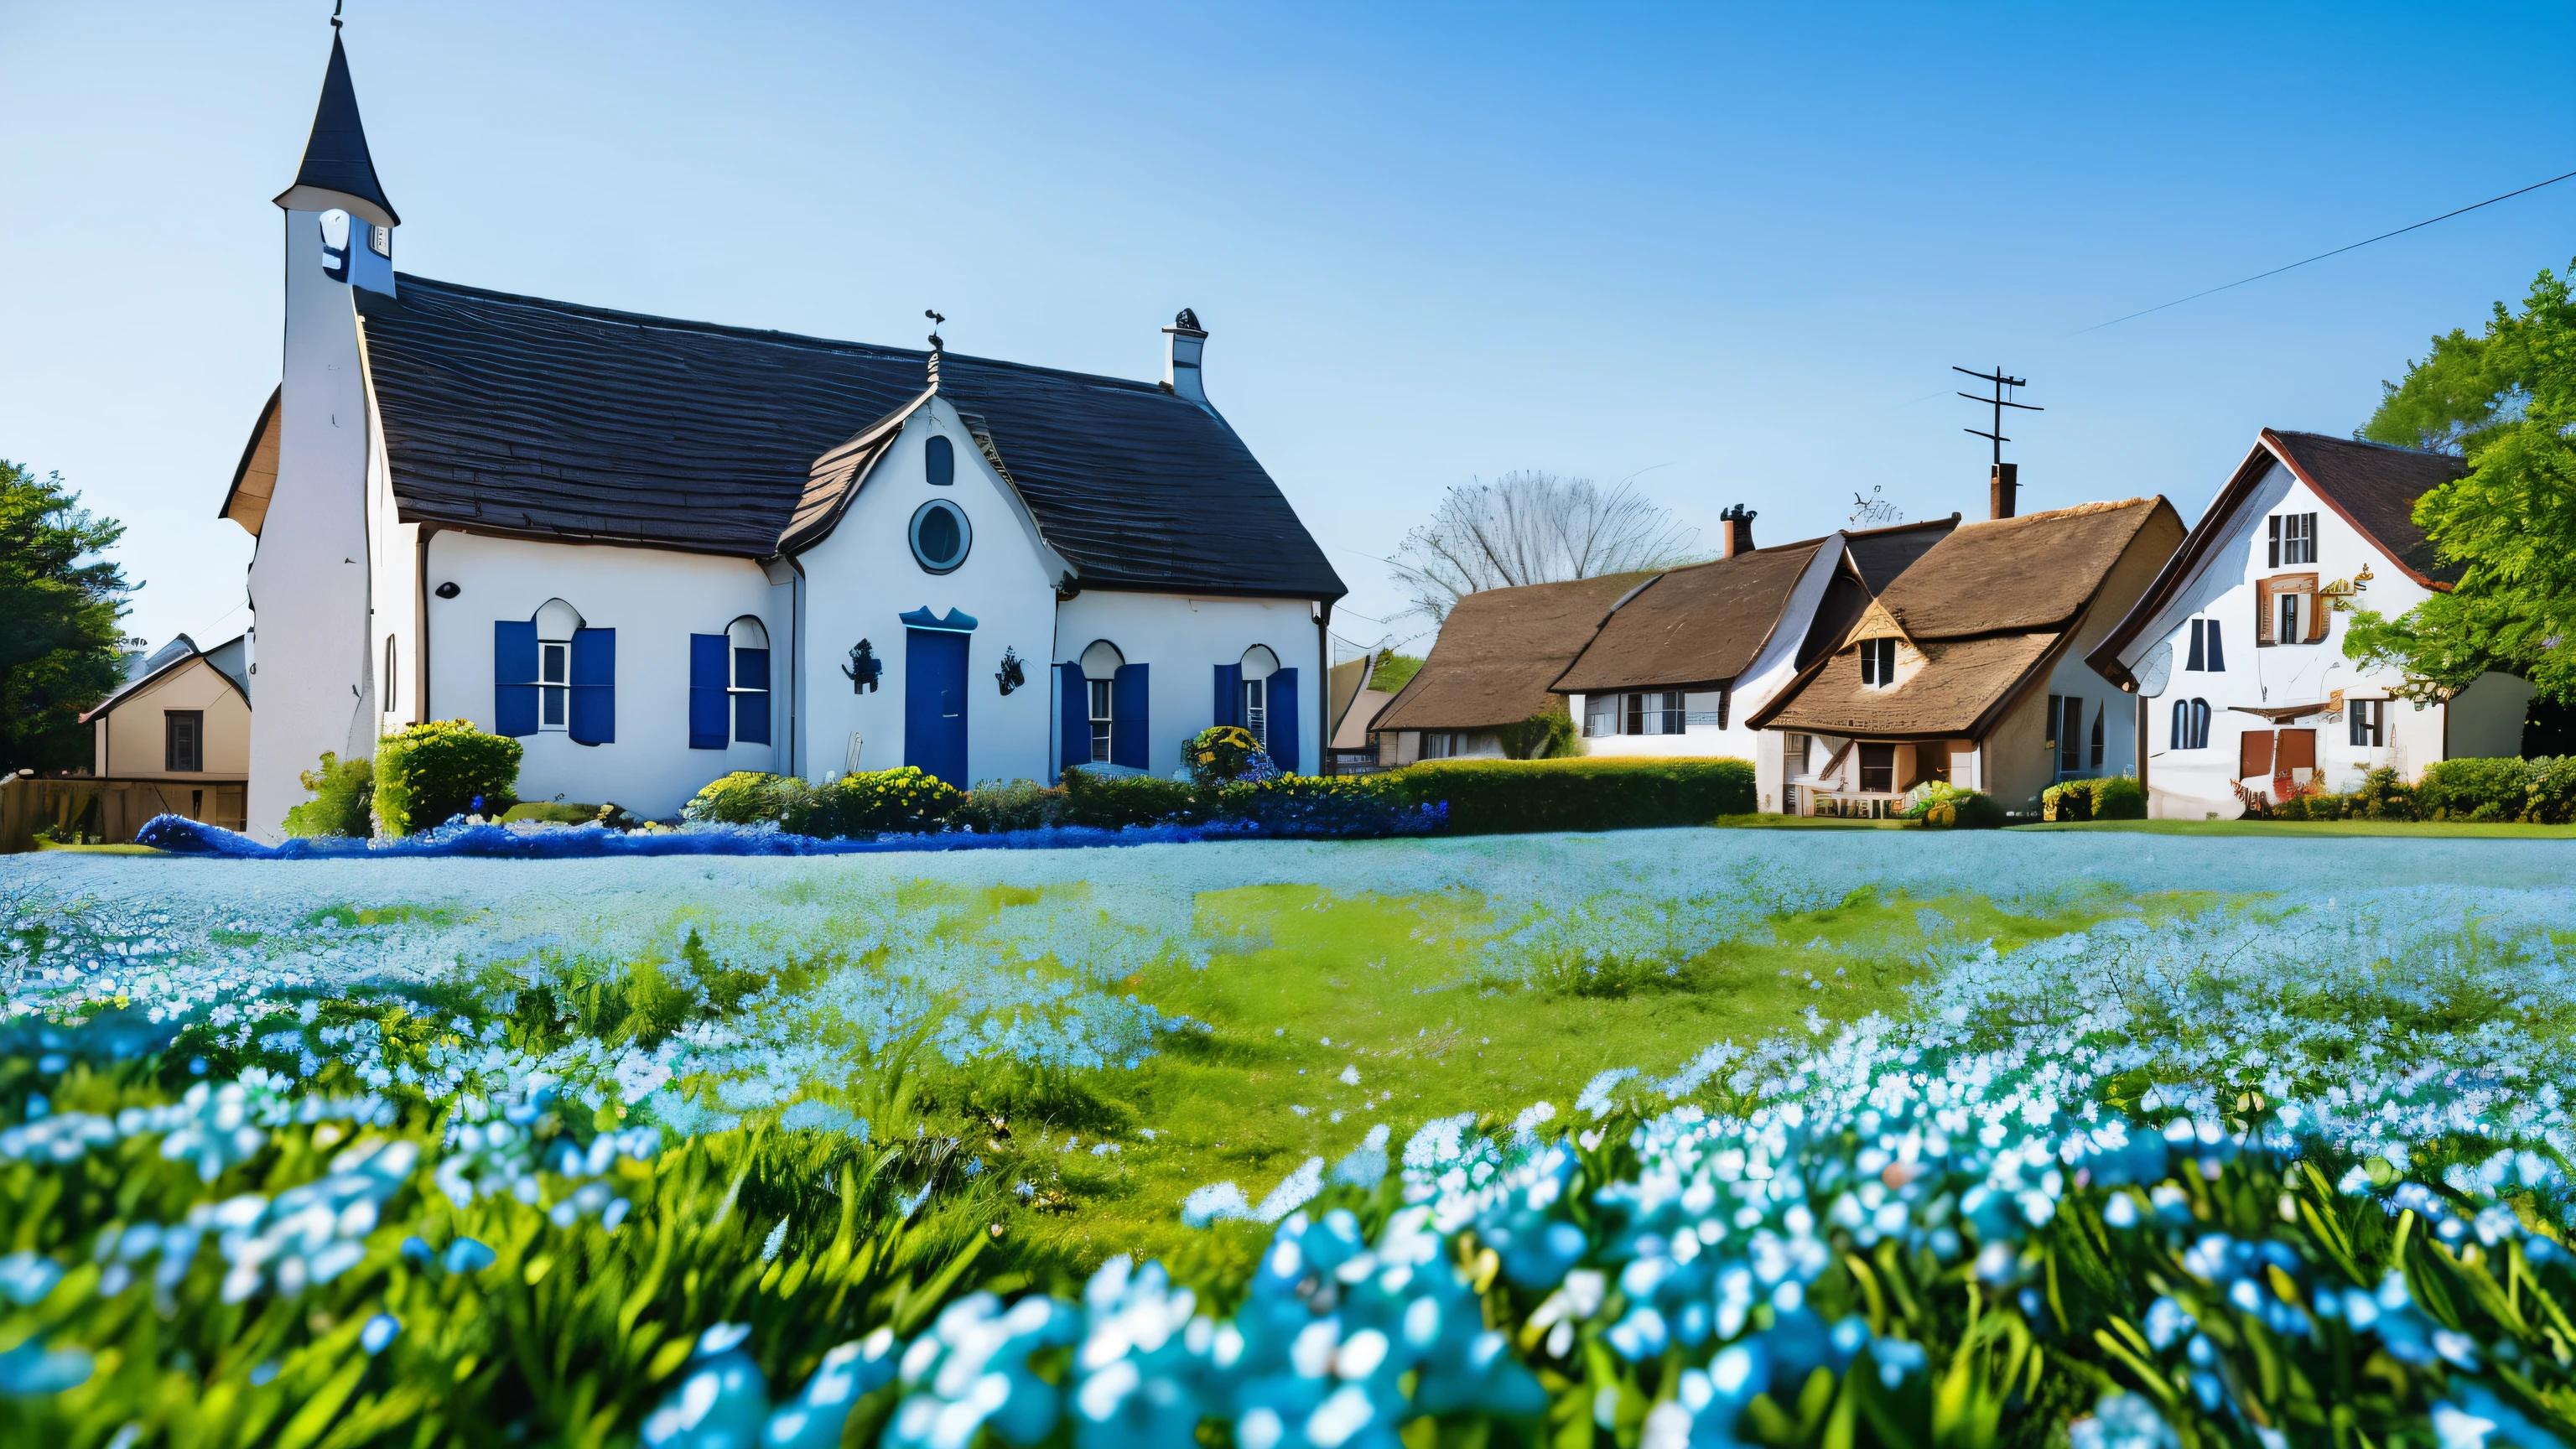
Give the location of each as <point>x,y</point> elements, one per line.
<point>2321,256</point>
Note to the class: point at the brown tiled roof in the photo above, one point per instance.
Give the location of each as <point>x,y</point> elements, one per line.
<point>1960,685</point>
<point>1498,652</point>
<point>1697,625</point>
<point>2376,486</point>
<point>1883,553</point>
<point>2032,572</point>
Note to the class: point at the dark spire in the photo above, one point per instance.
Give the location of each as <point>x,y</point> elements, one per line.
<point>336,159</point>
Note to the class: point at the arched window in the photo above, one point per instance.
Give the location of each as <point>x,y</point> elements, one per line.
<point>940,536</point>
<point>335,244</point>
<point>729,686</point>
<point>555,672</point>
<point>939,461</point>
<point>2190,724</point>
<point>1258,665</point>
<point>557,622</point>
<point>1100,665</point>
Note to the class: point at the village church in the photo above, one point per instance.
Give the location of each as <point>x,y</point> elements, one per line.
<point>656,551</point>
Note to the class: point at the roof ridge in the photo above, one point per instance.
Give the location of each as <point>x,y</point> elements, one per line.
<point>770,335</point>
<point>2367,443</point>
<point>2075,510</point>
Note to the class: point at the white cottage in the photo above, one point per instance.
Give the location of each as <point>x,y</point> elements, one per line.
<point>2235,652</point>
<point>657,551</point>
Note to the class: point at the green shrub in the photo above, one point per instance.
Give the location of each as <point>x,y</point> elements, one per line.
<point>2115,798</point>
<point>2551,799</point>
<point>549,812</point>
<point>749,797</point>
<point>437,769</point>
<point>344,799</point>
<point>1546,735</point>
<point>1965,810</point>
<point>1334,807</point>
<point>1492,797</point>
<point>2475,789</point>
<point>878,802</point>
<point>1223,754</point>
<point>995,806</point>
<point>1113,802</point>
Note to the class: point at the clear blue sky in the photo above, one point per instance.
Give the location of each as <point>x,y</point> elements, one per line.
<point>1731,251</point>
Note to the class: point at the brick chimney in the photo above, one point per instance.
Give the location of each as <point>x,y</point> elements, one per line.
<point>1739,530</point>
<point>2007,483</point>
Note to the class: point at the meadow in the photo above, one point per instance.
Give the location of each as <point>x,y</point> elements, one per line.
<point>422,1150</point>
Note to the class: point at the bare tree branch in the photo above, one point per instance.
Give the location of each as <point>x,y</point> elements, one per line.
<point>1529,527</point>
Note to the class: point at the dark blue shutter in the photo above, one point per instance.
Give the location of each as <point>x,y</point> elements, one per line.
<point>1073,717</point>
<point>1128,743</point>
<point>2197,659</point>
<point>514,677</point>
<point>751,710</point>
<point>707,691</point>
<point>594,686</point>
<point>1229,694</point>
<point>939,462</point>
<point>2217,656</point>
<point>1283,721</point>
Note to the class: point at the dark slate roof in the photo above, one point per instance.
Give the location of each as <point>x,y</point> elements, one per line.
<point>2375,486</point>
<point>1882,553</point>
<point>336,158</point>
<point>517,415</point>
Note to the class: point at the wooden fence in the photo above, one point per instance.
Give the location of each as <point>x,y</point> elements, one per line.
<point>112,809</point>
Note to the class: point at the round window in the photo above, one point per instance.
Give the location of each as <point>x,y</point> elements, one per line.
<point>940,536</point>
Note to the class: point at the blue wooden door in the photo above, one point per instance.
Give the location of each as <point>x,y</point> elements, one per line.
<point>934,704</point>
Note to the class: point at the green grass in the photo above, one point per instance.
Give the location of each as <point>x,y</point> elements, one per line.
<point>2458,828</point>
<point>1810,822</point>
<point>1389,982</point>
<point>99,849</point>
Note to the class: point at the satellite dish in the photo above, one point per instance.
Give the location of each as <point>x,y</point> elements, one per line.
<point>2154,670</point>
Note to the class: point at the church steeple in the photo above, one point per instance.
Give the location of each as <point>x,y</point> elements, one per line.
<point>337,171</point>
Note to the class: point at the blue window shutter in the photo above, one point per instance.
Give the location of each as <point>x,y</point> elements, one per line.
<point>594,686</point>
<point>1129,744</point>
<point>707,691</point>
<point>1229,694</point>
<point>1283,721</point>
<point>1073,718</point>
<point>751,711</point>
<point>2217,656</point>
<point>2195,661</point>
<point>514,677</point>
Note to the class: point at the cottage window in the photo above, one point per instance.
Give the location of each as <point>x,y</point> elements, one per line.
<point>1878,663</point>
<point>940,536</point>
<point>1878,769</point>
<point>1441,744</point>
<point>183,737</point>
<point>1600,715</point>
<point>748,641</point>
<point>2190,725</point>
<point>2294,539</point>
<point>2368,721</point>
<point>2207,653</point>
<point>939,461</point>
<point>1105,704</point>
<point>555,672</point>
<point>2069,731</point>
<point>1259,664</point>
<point>2289,630</point>
<point>1793,756</point>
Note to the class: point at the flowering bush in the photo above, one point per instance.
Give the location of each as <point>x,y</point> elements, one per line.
<point>1947,807</point>
<point>343,803</point>
<point>2116,798</point>
<point>1224,754</point>
<point>871,802</point>
<point>437,769</point>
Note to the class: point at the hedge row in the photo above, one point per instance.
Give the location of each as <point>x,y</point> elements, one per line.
<point>2116,798</point>
<point>1470,797</point>
<point>2535,792</point>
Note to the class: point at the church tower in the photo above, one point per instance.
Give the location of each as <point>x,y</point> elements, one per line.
<point>313,689</point>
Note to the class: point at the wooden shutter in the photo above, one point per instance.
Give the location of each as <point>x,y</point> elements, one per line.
<point>1229,694</point>
<point>594,686</point>
<point>2317,611</point>
<point>1073,717</point>
<point>707,691</point>
<point>2263,614</point>
<point>1284,737</point>
<point>2298,751</point>
<point>2253,754</point>
<point>1129,700</point>
<point>751,707</point>
<point>514,677</point>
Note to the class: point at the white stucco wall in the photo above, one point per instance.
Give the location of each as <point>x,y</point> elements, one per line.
<point>863,578</point>
<point>309,574</point>
<point>393,593</point>
<point>132,742</point>
<point>2193,784</point>
<point>655,599</point>
<point>1185,639</point>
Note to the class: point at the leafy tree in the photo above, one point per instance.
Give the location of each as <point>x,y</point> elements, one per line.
<point>2506,400</point>
<point>59,605</point>
<point>1532,528</point>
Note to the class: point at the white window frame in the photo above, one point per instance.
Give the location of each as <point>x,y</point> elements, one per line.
<point>554,685</point>
<point>1878,663</point>
<point>1100,704</point>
